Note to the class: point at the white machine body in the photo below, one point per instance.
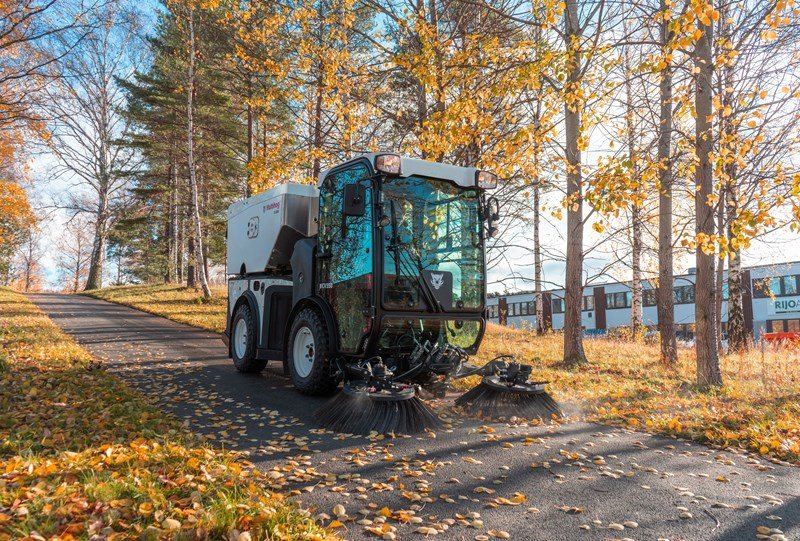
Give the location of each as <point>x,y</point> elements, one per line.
<point>263,229</point>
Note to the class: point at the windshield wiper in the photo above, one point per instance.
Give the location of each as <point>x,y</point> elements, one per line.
<point>396,246</point>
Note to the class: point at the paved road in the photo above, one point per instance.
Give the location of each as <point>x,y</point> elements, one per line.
<point>577,479</point>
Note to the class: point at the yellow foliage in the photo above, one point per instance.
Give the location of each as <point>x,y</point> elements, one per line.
<point>79,448</point>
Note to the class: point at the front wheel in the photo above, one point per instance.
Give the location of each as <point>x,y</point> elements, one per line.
<point>308,359</point>
<point>243,342</point>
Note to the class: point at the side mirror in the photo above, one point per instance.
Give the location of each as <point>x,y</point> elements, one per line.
<point>492,212</point>
<point>355,200</point>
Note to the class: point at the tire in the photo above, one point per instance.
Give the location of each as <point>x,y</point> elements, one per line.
<point>307,355</point>
<point>243,341</point>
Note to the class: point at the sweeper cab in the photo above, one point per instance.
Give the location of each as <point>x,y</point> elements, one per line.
<point>375,278</point>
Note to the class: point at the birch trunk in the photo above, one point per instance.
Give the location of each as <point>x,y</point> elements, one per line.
<point>636,224</point>
<point>97,260</point>
<point>195,210</point>
<point>737,334</point>
<point>317,132</point>
<point>537,259</point>
<point>172,258</point>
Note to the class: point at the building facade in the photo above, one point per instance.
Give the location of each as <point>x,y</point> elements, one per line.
<point>771,299</point>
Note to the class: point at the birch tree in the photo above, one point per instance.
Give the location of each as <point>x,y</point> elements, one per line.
<point>75,249</point>
<point>194,206</point>
<point>83,107</point>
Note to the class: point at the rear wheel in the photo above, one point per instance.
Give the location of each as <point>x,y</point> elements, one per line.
<point>308,359</point>
<point>243,341</point>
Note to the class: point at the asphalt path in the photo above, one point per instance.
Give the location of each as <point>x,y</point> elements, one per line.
<point>474,480</point>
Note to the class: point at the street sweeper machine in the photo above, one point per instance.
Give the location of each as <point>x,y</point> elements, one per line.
<point>372,286</point>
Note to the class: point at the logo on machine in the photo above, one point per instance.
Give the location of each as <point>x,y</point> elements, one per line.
<point>252,228</point>
<point>326,285</point>
<point>437,280</point>
<point>275,205</point>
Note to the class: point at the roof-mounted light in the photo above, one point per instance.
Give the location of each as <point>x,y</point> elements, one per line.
<point>388,163</point>
<point>485,180</point>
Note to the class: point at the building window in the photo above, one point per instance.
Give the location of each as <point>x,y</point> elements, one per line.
<point>588,302</point>
<point>649,297</point>
<point>789,285</point>
<point>523,308</point>
<point>783,325</point>
<point>558,306</point>
<point>620,299</point>
<point>776,286</point>
<point>532,308</point>
<point>684,294</point>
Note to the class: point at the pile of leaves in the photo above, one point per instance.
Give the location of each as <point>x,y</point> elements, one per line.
<point>83,456</point>
<point>624,383</point>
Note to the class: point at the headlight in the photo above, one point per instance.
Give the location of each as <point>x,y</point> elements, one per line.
<point>388,163</point>
<point>485,180</point>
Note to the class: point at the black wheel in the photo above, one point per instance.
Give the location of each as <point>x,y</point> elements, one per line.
<point>243,342</point>
<point>308,360</point>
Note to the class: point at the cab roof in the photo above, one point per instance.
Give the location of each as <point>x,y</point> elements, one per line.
<point>461,176</point>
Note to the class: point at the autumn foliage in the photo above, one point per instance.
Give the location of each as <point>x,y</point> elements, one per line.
<point>83,455</point>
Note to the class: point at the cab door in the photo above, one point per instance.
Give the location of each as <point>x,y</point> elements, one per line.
<point>345,253</point>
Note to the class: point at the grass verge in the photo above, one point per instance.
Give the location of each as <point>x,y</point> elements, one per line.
<point>83,456</point>
<point>624,384</point>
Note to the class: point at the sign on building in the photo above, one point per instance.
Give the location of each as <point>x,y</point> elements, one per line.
<point>784,305</point>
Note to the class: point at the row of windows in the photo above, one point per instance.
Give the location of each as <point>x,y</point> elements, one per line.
<point>778,286</point>
<point>587,304</point>
<point>783,325</point>
<point>514,309</point>
<point>621,299</point>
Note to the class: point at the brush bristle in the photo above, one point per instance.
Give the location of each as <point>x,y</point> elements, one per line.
<point>486,401</point>
<point>359,414</point>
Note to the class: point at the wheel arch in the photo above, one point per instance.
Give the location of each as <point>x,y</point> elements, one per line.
<point>248,298</point>
<point>324,310</point>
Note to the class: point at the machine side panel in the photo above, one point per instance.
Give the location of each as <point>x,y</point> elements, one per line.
<point>256,227</point>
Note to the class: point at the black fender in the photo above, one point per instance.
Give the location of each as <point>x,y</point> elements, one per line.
<point>250,298</point>
<point>322,307</point>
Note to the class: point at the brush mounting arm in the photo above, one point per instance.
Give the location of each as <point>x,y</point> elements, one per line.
<point>373,375</point>
<point>504,368</point>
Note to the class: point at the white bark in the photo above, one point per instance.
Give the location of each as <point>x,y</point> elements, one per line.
<point>198,231</point>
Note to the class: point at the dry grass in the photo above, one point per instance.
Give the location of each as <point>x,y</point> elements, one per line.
<point>83,456</point>
<point>174,302</point>
<point>758,409</point>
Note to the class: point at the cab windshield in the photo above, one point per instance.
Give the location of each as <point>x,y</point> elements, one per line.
<point>432,248</point>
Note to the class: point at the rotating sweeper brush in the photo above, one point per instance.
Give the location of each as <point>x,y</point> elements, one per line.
<point>377,404</point>
<point>506,391</point>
